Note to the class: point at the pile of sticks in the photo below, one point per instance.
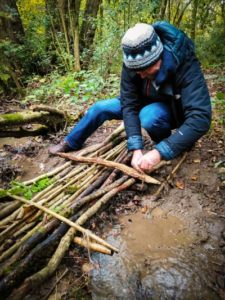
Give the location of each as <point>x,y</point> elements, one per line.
<point>35,234</point>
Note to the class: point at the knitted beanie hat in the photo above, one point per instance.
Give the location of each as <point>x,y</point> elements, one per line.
<point>142,47</point>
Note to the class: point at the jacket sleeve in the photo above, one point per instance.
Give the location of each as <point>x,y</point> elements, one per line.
<point>130,104</point>
<point>196,107</point>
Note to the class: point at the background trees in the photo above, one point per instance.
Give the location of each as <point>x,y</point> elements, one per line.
<point>40,36</point>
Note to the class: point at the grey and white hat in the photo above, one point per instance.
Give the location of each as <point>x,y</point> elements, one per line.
<point>142,47</point>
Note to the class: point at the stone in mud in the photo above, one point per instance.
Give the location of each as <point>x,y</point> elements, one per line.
<point>223,234</point>
<point>222,243</point>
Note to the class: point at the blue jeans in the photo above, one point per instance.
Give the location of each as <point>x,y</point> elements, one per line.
<point>155,118</point>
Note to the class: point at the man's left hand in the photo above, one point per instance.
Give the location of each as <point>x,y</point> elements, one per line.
<point>149,160</point>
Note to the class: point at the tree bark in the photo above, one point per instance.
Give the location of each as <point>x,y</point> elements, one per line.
<point>11,29</point>
<point>88,28</point>
<point>182,13</point>
<point>193,19</point>
<point>10,22</point>
<point>163,9</point>
<point>74,11</point>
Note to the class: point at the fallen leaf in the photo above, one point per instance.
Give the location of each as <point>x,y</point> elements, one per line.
<point>194,178</point>
<point>196,161</point>
<point>87,267</point>
<point>144,209</point>
<point>180,185</point>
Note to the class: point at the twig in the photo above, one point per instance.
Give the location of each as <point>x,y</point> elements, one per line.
<point>162,186</point>
<point>212,213</point>
<point>55,284</point>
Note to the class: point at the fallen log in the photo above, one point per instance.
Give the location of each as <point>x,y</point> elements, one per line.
<point>27,117</point>
<point>45,120</point>
<point>23,132</point>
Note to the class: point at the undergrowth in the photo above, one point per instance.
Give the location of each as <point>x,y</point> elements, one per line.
<point>74,87</point>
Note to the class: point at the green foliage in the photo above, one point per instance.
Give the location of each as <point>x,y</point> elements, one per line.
<point>11,55</point>
<point>44,48</point>
<point>77,87</point>
<point>19,189</point>
<point>210,49</point>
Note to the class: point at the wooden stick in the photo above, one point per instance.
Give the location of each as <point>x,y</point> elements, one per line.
<point>92,246</point>
<point>111,164</point>
<point>162,186</point>
<point>65,220</point>
<point>49,174</point>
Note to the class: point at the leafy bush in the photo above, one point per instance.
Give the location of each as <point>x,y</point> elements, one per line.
<point>77,87</point>
<point>209,49</point>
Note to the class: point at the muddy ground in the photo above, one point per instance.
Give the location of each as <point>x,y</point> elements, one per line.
<point>172,248</point>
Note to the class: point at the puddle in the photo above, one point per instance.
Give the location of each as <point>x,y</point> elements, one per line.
<point>27,155</point>
<point>156,261</point>
<point>157,236</point>
<point>13,141</point>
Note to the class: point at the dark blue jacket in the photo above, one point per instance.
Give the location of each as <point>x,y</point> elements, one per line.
<point>180,83</point>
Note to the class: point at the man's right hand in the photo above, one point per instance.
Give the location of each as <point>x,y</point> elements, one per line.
<point>137,155</point>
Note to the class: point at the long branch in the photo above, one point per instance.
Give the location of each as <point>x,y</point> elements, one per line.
<point>110,164</point>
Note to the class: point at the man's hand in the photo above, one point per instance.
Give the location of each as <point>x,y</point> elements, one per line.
<point>137,155</point>
<point>149,160</point>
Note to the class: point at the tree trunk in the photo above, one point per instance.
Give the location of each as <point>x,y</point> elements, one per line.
<point>163,9</point>
<point>10,22</point>
<point>11,29</point>
<point>62,7</point>
<point>88,28</point>
<point>182,13</point>
<point>168,10</point>
<point>194,16</point>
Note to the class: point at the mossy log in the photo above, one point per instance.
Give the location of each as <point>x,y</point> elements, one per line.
<point>23,132</point>
<point>9,123</point>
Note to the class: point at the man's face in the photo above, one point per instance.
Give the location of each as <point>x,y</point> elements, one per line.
<point>150,72</point>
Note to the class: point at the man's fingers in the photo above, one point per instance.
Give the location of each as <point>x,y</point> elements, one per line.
<point>145,166</point>
<point>136,167</point>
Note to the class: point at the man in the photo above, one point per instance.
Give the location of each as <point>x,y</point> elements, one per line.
<point>162,88</point>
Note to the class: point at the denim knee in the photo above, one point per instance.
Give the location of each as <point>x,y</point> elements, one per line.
<point>154,124</point>
<point>155,119</point>
<point>96,109</point>
<point>104,110</point>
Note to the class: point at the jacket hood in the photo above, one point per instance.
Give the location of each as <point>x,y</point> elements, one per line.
<point>175,41</point>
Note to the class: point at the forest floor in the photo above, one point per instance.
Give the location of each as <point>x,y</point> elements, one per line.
<point>170,249</point>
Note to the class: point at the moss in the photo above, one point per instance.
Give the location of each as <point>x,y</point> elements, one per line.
<point>72,189</point>
<point>3,193</point>
<point>12,118</point>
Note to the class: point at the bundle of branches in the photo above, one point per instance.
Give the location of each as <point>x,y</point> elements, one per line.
<point>38,120</point>
<point>33,238</point>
